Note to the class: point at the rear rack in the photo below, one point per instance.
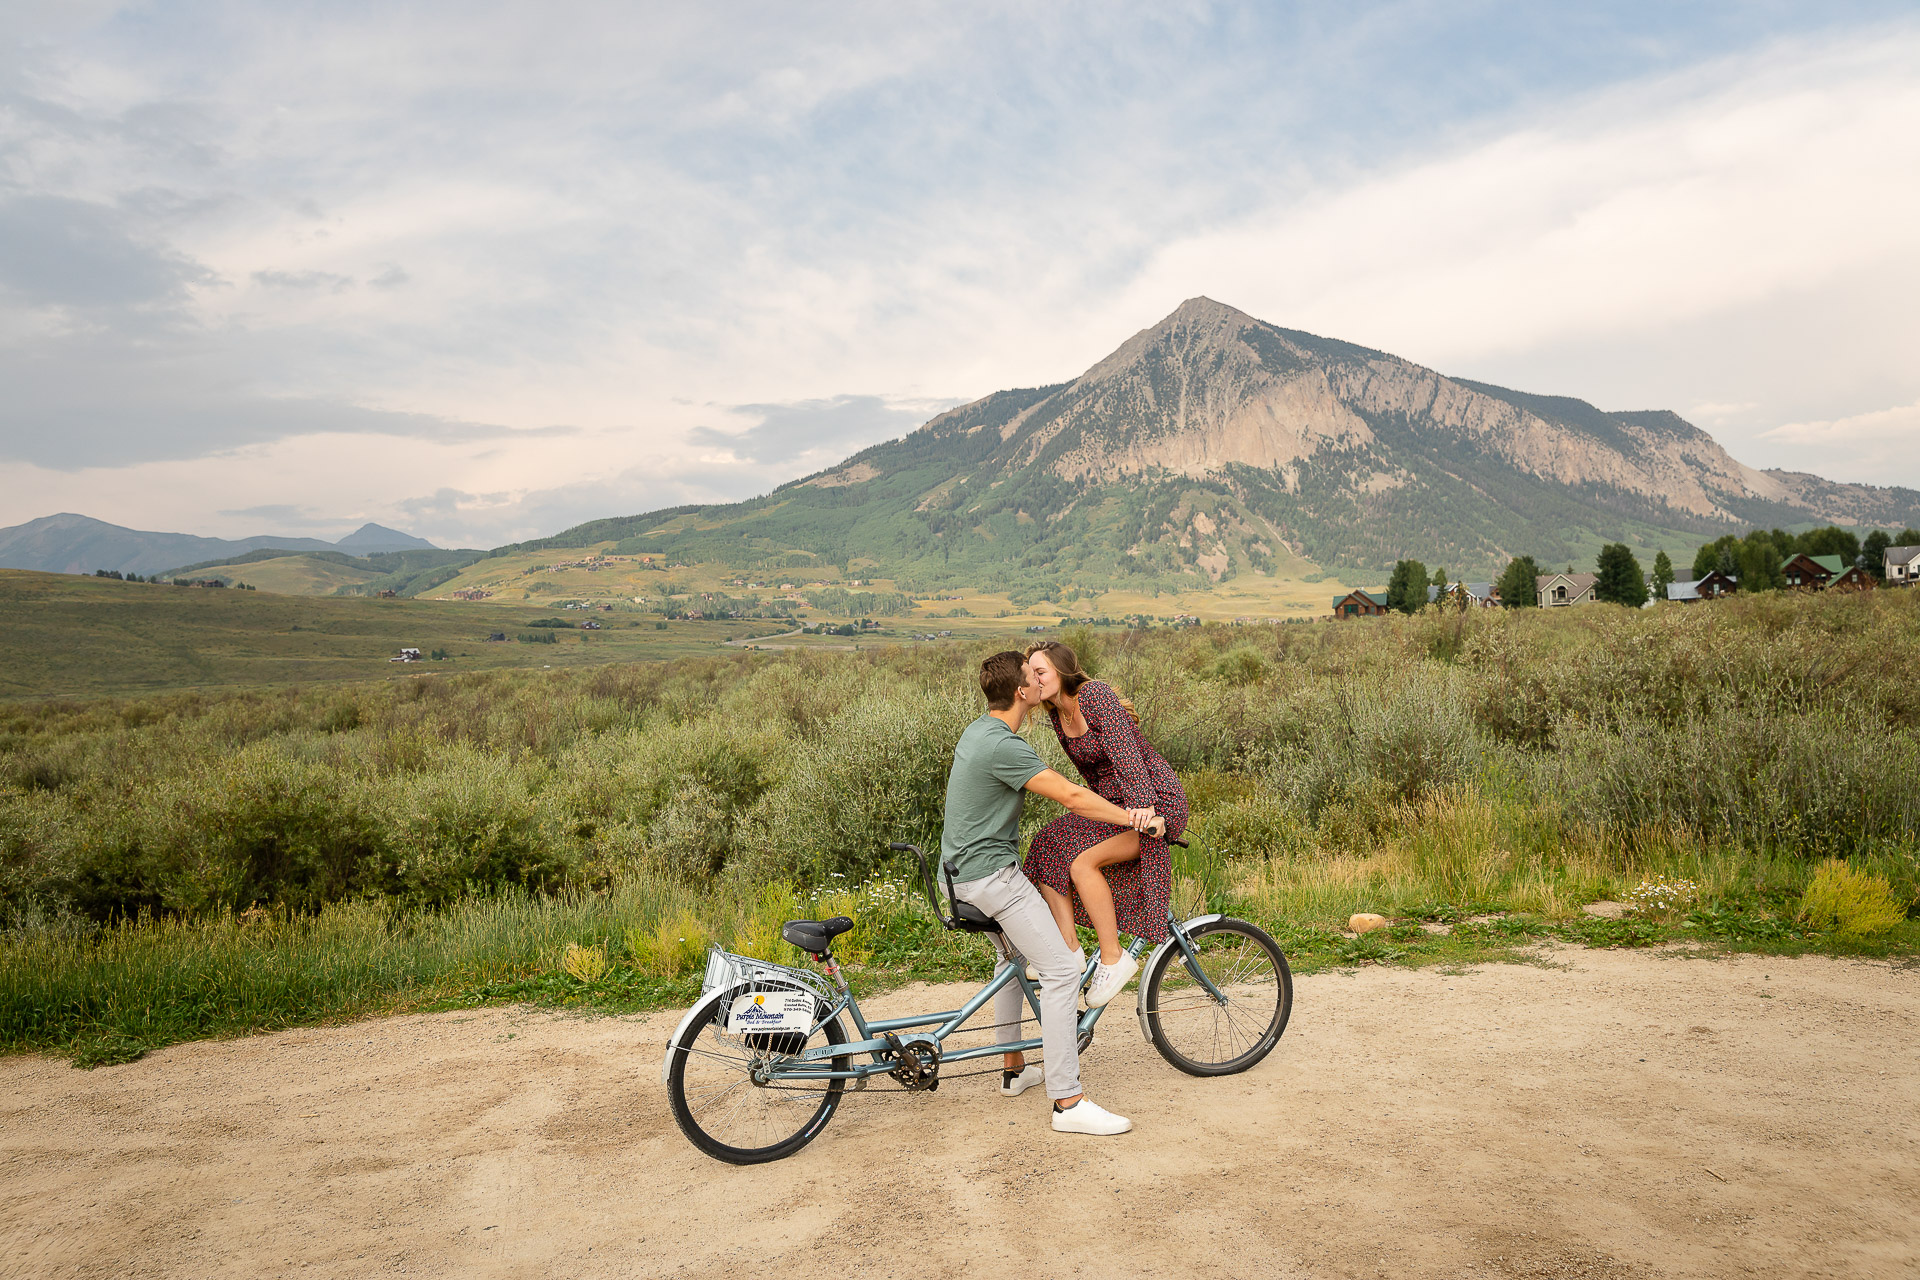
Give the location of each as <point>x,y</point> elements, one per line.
<point>725,971</point>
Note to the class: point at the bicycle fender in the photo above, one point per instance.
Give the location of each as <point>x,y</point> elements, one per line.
<point>1147,971</point>
<point>703,1005</point>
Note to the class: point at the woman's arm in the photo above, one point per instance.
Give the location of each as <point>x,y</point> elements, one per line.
<point>1106,717</point>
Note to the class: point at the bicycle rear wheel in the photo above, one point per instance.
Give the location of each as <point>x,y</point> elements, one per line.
<point>722,1099</point>
<point>1202,1035</point>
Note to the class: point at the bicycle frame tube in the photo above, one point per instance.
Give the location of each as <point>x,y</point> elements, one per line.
<point>874,1035</point>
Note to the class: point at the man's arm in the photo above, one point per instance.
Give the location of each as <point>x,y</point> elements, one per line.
<point>1087,804</point>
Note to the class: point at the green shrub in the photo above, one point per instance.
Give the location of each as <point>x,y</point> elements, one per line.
<point>469,826</point>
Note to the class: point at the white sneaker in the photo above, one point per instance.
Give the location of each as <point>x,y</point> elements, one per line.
<point>1012,1086</point>
<point>1110,979</point>
<point>1086,1116</point>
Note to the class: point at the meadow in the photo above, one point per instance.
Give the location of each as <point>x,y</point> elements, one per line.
<point>67,636</point>
<point>1739,772</point>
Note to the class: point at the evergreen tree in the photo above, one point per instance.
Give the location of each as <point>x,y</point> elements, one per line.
<point>1874,552</point>
<point>1662,575</point>
<point>1407,588</point>
<point>1518,584</point>
<point>1619,577</point>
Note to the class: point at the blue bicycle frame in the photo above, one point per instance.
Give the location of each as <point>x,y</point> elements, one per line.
<point>875,1036</point>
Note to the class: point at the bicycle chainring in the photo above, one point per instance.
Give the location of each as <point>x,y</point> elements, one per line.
<point>917,1063</point>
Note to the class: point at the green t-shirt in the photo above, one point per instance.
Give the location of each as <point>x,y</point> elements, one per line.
<point>991,766</point>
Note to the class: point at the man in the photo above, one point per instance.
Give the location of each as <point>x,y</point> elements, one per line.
<point>993,768</point>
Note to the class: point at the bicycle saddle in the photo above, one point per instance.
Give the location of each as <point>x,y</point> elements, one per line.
<point>815,936</point>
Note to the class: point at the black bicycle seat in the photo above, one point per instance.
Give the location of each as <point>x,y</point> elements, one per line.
<point>815,936</point>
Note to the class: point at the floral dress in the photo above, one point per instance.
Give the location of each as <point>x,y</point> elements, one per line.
<point>1117,763</point>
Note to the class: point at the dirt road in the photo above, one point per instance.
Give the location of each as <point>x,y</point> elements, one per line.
<point>1625,1115</point>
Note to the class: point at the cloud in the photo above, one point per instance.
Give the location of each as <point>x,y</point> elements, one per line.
<point>1875,447</point>
<point>827,428</point>
<point>330,281</point>
<point>63,252</point>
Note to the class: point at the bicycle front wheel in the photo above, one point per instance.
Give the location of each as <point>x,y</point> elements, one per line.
<point>727,1096</point>
<point>1206,1035</point>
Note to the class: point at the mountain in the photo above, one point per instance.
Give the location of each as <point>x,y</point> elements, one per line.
<point>1214,444</point>
<point>371,539</point>
<point>69,543</point>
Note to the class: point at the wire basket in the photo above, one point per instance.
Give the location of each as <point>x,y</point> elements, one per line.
<point>725,971</point>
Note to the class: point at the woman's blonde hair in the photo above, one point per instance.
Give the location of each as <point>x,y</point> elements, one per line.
<point>1067,663</point>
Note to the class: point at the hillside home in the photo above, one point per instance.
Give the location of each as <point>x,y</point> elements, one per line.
<point>1850,578</point>
<point>1556,589</point>
<point>1902,566</point>
<point>1711,587</point>
<point>1360,604</point>
<point>407,655</point>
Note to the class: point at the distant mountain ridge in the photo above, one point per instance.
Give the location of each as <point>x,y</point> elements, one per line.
<point>1214,444</point>
<point>70,543</point>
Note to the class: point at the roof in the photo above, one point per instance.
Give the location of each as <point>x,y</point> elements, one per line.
<point>1684,590</point>
<point>1378,597</point>
<point>1902,555</point>
<point>1572,579</point>
<point>1475,590</point>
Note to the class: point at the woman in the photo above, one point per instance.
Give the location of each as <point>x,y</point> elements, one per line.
<point>1093,873</point>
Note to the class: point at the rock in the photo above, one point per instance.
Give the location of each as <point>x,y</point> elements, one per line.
<point>1366,922</point>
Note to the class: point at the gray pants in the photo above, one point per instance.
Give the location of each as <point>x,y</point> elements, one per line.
<point>1030,932</point>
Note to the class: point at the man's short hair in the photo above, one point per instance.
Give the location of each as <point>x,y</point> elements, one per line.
<point>1001,676</point>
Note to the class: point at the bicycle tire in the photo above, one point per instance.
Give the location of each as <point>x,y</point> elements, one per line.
<point>687,1112</point>
<point>1170,1000</point>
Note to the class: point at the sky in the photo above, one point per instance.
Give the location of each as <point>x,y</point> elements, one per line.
<point>481,272</point>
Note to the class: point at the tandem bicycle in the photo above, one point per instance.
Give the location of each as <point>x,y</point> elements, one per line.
<point>760,1063</point>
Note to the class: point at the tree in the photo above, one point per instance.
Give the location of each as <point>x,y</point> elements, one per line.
<point>1830,541</point>
<point>1662,575</point>
<point>1760,563</point>
<point>1518,584</point>
<point>1874,552</point>
<point>1619,580</point>
<point>1723,553</point>
<point>1407,588</point>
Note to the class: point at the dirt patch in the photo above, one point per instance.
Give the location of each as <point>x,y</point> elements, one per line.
<point>1617,1115</point>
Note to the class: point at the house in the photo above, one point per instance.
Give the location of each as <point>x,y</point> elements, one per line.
<point>407,655</point>
<point>1713,586</point>
<point>496,636</point>
<point>1479,595</point>
<point>1902,566</point>
<point>1360,604</point>
<point>1808,573</point>
<point>1852,577</point>
<point>1556,589</point>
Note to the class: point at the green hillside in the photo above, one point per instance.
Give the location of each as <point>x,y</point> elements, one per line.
<point>404,573</point>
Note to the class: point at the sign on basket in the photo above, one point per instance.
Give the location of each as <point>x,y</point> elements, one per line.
<point>771,1011</point>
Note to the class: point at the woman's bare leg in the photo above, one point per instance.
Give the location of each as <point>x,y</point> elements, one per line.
<point>1095,896</point>
<point>1062,907</point>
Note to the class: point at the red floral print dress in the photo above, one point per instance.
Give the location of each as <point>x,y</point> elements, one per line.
<point>1116,762</point>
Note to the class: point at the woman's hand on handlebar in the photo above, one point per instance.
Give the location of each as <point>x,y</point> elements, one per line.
<point>1147,822</point>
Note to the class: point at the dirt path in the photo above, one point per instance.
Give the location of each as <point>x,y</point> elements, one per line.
<point>1511,1121</point>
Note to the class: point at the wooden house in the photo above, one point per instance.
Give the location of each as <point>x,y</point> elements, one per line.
<point>1711,587</point>
<point>1360,604</point>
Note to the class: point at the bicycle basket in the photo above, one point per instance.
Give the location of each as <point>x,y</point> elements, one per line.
<point>727,971</point>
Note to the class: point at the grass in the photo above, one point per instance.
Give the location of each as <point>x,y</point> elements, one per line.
<point>111,996</point>
<point>209,864</point>
<point>66,636</point>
